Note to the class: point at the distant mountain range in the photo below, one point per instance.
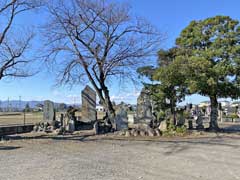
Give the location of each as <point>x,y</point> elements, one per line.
<point>22,104</point>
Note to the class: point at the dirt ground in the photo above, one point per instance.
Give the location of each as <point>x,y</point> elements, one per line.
<point>88,157</point>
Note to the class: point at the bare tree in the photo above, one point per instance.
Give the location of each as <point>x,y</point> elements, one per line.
<point>97,41</point>
<point>13,44</point>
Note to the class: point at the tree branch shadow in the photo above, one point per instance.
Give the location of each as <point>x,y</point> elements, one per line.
<point>5,148</point>
<point>173,145</point>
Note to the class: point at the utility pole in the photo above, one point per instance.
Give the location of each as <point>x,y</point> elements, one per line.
<point>74,101</point>
<point>19,105</point>
<point>8,106</point>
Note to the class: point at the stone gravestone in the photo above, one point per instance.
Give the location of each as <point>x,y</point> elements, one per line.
<point>89,112</point>
<point>144,107</point>
<point>131,118</point>
<point>121,119</point>
<point>199,122</point>
<point>70,119</point>
<point>48,111</point>
<point>181,119</point>
<point>70,127</point>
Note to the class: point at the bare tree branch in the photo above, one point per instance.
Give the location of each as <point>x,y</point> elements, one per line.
<point>12,47</point>
<point>102,37</point>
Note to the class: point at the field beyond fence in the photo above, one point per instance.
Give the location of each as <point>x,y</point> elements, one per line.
<point>19,118</point>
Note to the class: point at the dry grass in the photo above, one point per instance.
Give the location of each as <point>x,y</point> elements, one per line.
<point>18,118</point>
<point>13,118</point>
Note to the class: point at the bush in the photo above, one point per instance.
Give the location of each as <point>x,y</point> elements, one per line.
<point>181,130</point>
<point>161,115</point>
<point>233,116</point>
<point>175,131</point>
<point>186,115</point>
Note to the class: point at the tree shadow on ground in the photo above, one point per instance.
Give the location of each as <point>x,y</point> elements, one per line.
<point>170,145</point>
<point>69,137</point>
<point>234,128</point>
<point>176,148</point>
<point>5,148</point>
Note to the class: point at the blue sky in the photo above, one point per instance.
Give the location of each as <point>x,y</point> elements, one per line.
<point>169,16</point>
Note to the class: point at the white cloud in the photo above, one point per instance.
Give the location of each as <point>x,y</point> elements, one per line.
<point>128,97</point>
<point>56,93</point>
<point>65,97</point>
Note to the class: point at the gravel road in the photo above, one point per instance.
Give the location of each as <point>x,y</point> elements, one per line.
<point>108,157</point>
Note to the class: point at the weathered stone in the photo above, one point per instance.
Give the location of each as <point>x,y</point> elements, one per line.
<point>151,132</point>
<point>71,126</point>
<point>131,119</point>
<point>96,128</point>
<point>132,131</point>
<point>142,133</point>
<point>127,134</point>
<point>144,108</point>
<point>163,126</point>
<point>89,112</point>
<point>181,119</point>
<point>135,133</point>
<point>141,126</point>
<point>35,128</point>
<point>122,133</point>
<point>44,126</point>
<point>157,132</point>
<point>199,122</point>
<point>121,119</point>
<point>55,124</point>
<point>62,119</point>
<point>59,131</point>
<point>190,124</point>
<point>48,111</point>
<point>107,128</point>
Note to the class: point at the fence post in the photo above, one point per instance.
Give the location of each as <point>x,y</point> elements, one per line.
<point>24,117</point>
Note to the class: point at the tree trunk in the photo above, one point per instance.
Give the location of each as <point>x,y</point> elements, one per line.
<point>103,94</point>
<point>213,125</point>
<point>109,107</point>
<point>173,112</point>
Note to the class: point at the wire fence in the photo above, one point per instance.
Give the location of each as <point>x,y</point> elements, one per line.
<point>15,111</point>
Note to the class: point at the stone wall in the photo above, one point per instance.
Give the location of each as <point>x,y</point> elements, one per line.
<point>9,130</point>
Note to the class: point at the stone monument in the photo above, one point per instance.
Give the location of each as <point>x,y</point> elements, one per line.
<point>181,119</point>
<point>121,119</point>
<point>144,107</point>
<point>48,111</point>
<point>89,112</point>
<point>199,122</point>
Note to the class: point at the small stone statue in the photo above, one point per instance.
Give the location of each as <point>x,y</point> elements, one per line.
<point>70,119</point>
